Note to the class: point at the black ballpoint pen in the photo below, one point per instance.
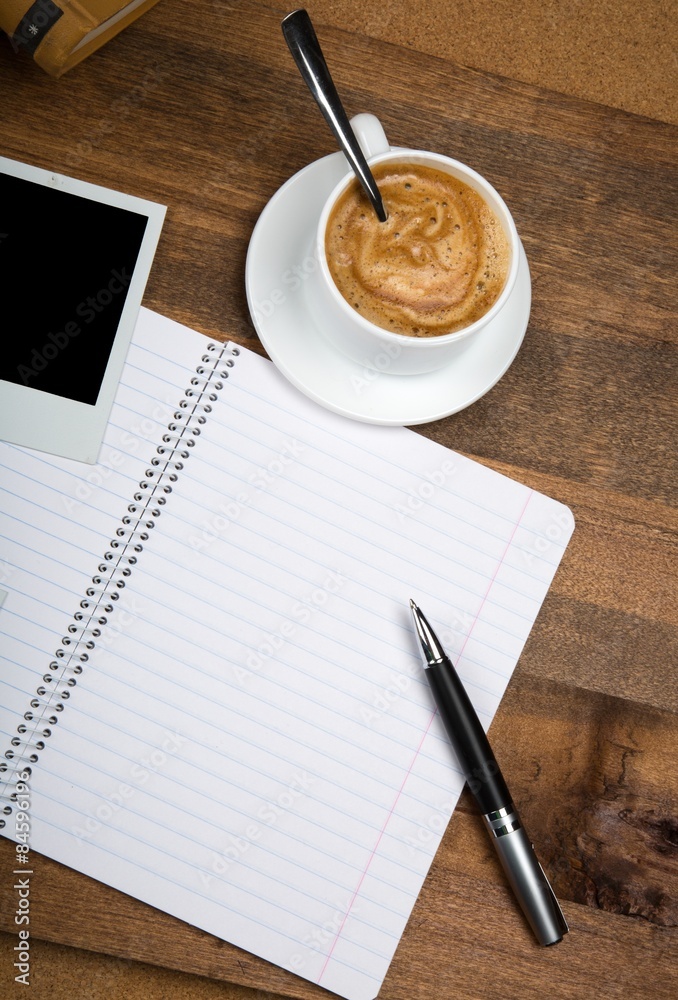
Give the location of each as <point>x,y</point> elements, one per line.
<point>486,782</point>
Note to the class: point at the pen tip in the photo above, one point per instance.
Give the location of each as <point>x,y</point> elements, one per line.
<point>430,644</point>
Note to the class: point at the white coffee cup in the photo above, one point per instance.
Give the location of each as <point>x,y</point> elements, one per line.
<point>372,346</point>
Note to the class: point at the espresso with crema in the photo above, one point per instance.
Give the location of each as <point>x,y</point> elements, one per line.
<point>437,264</point>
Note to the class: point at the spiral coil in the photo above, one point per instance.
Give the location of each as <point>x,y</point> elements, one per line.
<point>112,574</point>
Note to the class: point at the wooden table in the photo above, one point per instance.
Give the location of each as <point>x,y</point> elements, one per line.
<point>207,114</point>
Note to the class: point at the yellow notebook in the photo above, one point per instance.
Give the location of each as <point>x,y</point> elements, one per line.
<point>60,35</point>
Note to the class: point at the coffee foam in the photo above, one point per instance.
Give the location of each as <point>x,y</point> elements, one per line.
<point>437,264</point>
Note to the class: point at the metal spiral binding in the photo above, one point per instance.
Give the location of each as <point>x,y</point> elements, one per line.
<point>98,603</point>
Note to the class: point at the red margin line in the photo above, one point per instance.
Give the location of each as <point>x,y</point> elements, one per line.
<point>421,741</point>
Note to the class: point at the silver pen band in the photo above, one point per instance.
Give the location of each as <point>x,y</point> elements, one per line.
<point>502,821</point>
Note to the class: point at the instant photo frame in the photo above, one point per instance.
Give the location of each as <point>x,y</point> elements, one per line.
<point>74,261</point>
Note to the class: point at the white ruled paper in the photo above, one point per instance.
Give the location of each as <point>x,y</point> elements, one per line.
<point>251,745</point>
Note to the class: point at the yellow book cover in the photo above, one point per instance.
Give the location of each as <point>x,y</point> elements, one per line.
<point>58,35</point>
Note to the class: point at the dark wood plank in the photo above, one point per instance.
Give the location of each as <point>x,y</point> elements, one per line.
<point>595,777</point>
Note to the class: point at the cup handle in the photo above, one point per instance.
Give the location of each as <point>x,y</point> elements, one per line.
<point>370,135</point>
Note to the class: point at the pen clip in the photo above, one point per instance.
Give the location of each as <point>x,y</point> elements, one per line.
<point>556,905</point>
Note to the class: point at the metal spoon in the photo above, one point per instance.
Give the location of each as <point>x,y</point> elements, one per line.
<point>307,54</point>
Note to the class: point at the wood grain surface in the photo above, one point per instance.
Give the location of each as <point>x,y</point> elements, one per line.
<point>209,116</point>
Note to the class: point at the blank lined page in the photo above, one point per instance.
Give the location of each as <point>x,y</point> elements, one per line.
<point>252,745</point>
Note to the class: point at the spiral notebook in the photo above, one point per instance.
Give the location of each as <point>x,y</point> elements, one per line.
<point>210,687</point>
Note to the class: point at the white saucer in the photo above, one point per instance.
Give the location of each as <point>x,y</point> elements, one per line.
<point>279,259</point>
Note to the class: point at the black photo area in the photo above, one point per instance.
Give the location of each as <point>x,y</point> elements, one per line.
<point>66,263</point>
